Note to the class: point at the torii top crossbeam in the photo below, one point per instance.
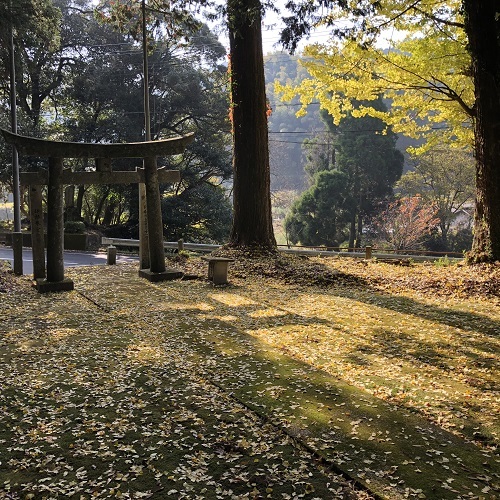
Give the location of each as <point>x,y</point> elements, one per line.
<point>60,149</point>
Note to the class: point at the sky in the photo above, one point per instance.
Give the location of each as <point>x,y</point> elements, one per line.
<point>271,31</point>
<point>272,26</point>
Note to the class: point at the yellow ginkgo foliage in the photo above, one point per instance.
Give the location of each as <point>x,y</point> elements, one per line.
<point>425,76</point>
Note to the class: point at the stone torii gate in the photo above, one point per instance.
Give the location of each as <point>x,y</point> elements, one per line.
<point>56,177</point>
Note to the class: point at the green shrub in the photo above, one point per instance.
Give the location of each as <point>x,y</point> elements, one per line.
<point>443,262</point>
<point>74,227</point>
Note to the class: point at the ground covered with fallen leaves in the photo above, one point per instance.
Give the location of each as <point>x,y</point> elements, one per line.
<point>302,378</point>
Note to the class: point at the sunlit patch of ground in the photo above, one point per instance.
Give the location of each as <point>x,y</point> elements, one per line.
<point>124,388</point>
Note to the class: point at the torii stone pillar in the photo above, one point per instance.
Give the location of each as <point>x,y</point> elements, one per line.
<point>57,177</point>
<point>153,210</point>
<point>55,228</point>
<point>37,236</point>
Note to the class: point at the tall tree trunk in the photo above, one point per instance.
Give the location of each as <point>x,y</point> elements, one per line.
<point>356,209</point>
<point>109,213</point>
<point>79,201</point>
<point>252,222</point>
<point>444,228</point>
<point>352,233</point>
<point>100,206</point>
<point>483,29</point>
<point>359,230</point>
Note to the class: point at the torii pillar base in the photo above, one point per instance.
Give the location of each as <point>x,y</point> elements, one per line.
<point>44,286</point>
<point>167,275</point>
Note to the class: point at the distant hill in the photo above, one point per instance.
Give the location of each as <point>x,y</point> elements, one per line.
<point>287,132</point>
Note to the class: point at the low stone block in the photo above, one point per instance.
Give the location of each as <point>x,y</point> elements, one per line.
<point>217,269</point>
<point>167,275</point>
<point>44,286</point>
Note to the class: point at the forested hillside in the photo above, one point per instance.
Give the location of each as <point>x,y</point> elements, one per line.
<point>287,131</point>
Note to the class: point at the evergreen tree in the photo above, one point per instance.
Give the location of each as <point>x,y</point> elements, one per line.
<point>201,213</point>
<point>367,153</point>
<point>321,215</point>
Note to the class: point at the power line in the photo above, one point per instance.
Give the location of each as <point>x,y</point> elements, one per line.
<point>285,104</point>
<point>301,142</point>
<point>299,132</point>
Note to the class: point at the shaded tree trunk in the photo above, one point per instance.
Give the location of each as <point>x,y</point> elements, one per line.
<point>445,229</point>
<point>352,232</point>
<point>100,206</point>
<point>109,213</point>
<point>356,210</point>
<point>252,222</point>
<point>79,201</point>
<point>483,30</point>
<point>359,230</point>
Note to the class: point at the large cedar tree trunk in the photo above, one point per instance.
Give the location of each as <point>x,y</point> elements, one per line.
<point>483,30</point>
<point>252,223</point>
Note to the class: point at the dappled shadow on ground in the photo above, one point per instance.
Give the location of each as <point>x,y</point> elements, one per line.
<point>445,315</point>
<point>438,357</point>
<point>225,335</point>
<point>102,397</point>
<point>362,285</point>
<point>427,364</point>
<point>469,334</point>
<point>260,344</point>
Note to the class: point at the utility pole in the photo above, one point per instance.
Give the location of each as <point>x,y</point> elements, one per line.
<point>147,114</point>
<point>17,237</point>
<point>144,257</point>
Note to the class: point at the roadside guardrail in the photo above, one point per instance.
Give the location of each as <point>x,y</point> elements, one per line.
<point>366,253</point>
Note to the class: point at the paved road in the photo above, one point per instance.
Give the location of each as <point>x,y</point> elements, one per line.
<point>71,259</point>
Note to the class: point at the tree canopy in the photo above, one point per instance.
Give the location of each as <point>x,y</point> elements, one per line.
<point>425,76</point>
<point>369,163</point>
<point>456,102</point>
<point>441,79</point>
<point>86,85</point>
<point>443,178</point>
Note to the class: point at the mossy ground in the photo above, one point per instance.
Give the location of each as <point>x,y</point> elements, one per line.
<point>313,378</point>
